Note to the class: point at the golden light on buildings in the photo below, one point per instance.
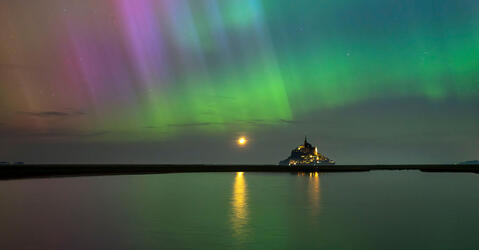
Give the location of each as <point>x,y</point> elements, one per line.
<point>242,141</point>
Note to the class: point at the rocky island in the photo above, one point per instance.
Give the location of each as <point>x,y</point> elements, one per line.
<point>306,155</point>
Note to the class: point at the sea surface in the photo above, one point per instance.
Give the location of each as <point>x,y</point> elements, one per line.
<point>367,210</point>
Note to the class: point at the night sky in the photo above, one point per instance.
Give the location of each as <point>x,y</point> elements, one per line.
<point>177,81</point>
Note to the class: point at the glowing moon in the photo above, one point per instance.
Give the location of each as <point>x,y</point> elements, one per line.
<point>242,141</point>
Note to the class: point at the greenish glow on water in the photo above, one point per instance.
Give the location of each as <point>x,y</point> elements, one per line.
<point>370,210</point>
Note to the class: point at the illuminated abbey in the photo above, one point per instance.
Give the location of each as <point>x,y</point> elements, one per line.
<point>306,155</point>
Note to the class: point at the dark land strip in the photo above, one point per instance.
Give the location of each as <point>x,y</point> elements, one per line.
<point>71,170</point>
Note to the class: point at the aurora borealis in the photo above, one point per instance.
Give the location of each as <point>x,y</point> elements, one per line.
<point>133,81</point>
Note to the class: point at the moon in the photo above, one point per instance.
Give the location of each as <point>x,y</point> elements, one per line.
<point>242,141</point>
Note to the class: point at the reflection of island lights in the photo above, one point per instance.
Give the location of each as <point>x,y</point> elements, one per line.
<point>314,192</point>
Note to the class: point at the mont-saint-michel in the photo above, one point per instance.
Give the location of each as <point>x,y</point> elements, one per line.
<point>306,155</point>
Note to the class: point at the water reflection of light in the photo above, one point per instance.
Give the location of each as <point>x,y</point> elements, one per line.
<point>239,203</point>
<point>313,191</point>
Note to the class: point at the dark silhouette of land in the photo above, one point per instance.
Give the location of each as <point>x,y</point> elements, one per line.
<point>69,170</point>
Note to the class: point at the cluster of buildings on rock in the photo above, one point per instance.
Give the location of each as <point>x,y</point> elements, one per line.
<point>306,155</point>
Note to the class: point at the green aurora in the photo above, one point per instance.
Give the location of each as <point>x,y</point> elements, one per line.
<point>157,70</point>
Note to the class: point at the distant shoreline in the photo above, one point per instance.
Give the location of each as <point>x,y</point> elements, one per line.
<point>9,172</point>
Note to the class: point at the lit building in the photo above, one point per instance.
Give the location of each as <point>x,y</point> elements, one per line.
<point>306,155</point>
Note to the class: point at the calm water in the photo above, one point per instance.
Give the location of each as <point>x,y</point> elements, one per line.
<point>373,210</point>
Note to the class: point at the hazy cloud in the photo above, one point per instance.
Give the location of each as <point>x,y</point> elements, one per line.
<point>199,124</point>
<point>236,122</point>
<point>45,114</point>
<point>49,114</point>
<point>69,133</point>
<point>78,113</point>
<point>291,121</point>
<point>52,133</point>
<point>194,124</point>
